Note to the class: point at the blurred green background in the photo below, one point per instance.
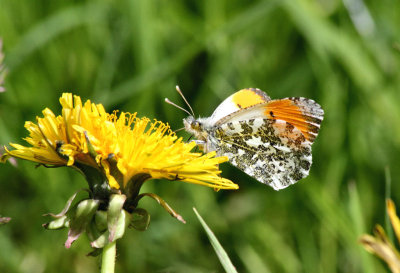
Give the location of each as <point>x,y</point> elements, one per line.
<point>129,55</point>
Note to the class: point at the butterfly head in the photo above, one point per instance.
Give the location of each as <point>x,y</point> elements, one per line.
<point>195,127</point>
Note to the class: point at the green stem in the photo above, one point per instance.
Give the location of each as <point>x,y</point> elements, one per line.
<point>108,258</point>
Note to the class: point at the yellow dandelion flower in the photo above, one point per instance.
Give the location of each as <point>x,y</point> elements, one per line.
<point>123,149</point>
<point>116,154</point>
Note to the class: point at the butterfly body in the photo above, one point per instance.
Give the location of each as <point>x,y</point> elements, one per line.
<point>269,140</point>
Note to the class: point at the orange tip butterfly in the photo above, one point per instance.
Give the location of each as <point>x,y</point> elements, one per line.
<point>269,140</point>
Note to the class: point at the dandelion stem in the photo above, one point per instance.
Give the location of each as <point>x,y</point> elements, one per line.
<point>108,258</point>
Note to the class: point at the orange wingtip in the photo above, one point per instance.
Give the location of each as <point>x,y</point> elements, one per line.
<point>289,111</point>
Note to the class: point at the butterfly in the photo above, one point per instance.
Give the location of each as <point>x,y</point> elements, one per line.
<point>269,140</point>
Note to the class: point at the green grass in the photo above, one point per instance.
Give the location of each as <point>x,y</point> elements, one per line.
<point>129,55</point>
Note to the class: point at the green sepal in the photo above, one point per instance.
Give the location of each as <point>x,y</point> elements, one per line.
<point>140,219</point>
<point>163,204</point>
<point>101,241</point>
<point>115,209</point>
<point>58,223</point>
<point>114,170</point>
<point>122,223</point>
<point>132,187</point>
<point>67,206</point>
<point>97,180</point>
<point>82,216</point>
<point>100,219</point>
<point>92,231</point>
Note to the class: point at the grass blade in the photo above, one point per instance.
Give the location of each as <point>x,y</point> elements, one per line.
<point>222,256</point>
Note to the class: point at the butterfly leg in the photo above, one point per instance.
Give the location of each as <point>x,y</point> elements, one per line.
<point>200,143</point>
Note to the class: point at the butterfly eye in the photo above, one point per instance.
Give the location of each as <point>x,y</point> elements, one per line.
<point>195,125</point>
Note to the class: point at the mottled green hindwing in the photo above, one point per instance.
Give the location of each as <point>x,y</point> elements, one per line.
<point>272,151</point>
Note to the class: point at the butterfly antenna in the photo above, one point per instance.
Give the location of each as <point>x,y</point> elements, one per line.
<point>177,106</point>
<point>183,97</point>
<point>180,129</point>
